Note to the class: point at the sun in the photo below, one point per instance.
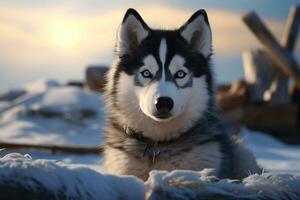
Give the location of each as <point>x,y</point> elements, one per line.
<point>65,34</point>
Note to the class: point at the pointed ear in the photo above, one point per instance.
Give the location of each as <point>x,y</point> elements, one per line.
<point>196,31</point>
<point>131,32</point>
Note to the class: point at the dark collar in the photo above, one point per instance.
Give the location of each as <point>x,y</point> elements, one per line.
<point>153,148</point>
<point>133,142</point>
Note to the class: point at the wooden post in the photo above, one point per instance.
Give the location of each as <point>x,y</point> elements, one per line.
<point>283,58</point>
<point>259,72</point>
<point>280,83</point>
<point>291,32</point>
<point>52,148</point>
<point>292,29</point>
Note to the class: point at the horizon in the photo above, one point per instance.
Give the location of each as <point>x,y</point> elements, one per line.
<point>58,39</point>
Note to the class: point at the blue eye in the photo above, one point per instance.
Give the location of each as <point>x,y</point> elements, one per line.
<point>180,74</point>
<point>146,73</point>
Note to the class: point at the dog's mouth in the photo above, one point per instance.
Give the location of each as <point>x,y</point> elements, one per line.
<point>163,116</point>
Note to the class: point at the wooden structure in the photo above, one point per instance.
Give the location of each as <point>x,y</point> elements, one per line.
<point>52,148</point>
<point>263,101</point>
<point>268,70</point>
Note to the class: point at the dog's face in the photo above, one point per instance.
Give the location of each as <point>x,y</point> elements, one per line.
<point>163,74</point>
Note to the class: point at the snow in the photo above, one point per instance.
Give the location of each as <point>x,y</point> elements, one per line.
<point>56,180</point>
<point>272,154</point>
<point>42,85</point>
<point>19,125</point>
<point>184,184</point>
<point>70,99</point>
<point>49,179</point>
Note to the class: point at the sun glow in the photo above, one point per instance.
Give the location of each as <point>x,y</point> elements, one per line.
<point>65,35</point>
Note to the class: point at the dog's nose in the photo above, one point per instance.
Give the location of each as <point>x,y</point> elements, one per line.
<point>164,104</point>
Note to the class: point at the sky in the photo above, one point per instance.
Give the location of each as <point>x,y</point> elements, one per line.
<point>58,39</point>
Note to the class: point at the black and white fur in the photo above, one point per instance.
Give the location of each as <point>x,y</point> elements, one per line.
<point>161,104</point>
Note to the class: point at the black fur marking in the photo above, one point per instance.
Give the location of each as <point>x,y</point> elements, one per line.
<point>176,45</point>
<point>194,16</point>
<point>168,76</point>
<point>133,12</point>
<point>226,148</point>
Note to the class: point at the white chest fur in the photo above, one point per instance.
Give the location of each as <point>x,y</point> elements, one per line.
<point>204,156</point>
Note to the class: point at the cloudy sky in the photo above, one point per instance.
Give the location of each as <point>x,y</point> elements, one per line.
<point>58,39</point>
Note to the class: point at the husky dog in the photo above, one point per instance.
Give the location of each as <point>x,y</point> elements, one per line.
<point>161,105</point>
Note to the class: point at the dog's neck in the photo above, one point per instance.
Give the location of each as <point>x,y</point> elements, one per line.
<point>153,148</point>
<point>137,144</point>
<point>204,123</point>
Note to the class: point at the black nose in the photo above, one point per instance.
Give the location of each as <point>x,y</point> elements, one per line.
<point>164,104</point>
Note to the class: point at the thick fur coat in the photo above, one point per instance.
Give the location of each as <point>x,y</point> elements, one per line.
<point>161,105</point>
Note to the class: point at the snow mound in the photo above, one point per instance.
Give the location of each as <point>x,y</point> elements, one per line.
<point>24,178</point>
<point>192,185</point>
<point>41,85</point>
<point>60,115</point>
<point>10,95</point>
<point>70,99</point>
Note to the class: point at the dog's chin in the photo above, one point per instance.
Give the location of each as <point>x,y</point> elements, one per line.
<point>162,117</point>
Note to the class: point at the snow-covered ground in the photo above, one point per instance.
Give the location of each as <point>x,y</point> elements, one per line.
<point>21,177</point>
<point>24,123</point>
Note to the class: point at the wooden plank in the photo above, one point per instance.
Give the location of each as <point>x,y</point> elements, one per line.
<point>291,32</point>
<point>283,59</point>
<point>264,116</point>
<point>52,148</point>
<point>233,97</point>
<point>287,135</point>
<point>278,91</point>
<point>292,28</point>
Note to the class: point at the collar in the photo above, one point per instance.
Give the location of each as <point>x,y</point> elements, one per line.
<point>153,149</point>
<point>133,142</point>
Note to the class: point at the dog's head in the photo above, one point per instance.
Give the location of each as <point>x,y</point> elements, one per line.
<point>164,74</point>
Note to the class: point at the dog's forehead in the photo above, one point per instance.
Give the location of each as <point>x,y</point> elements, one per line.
<point>163,54</point>
<point>164,47</point>
<point>157,58</point>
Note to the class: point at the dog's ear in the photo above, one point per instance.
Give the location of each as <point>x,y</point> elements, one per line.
<point>131,32</point>
<point>196,31</point>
